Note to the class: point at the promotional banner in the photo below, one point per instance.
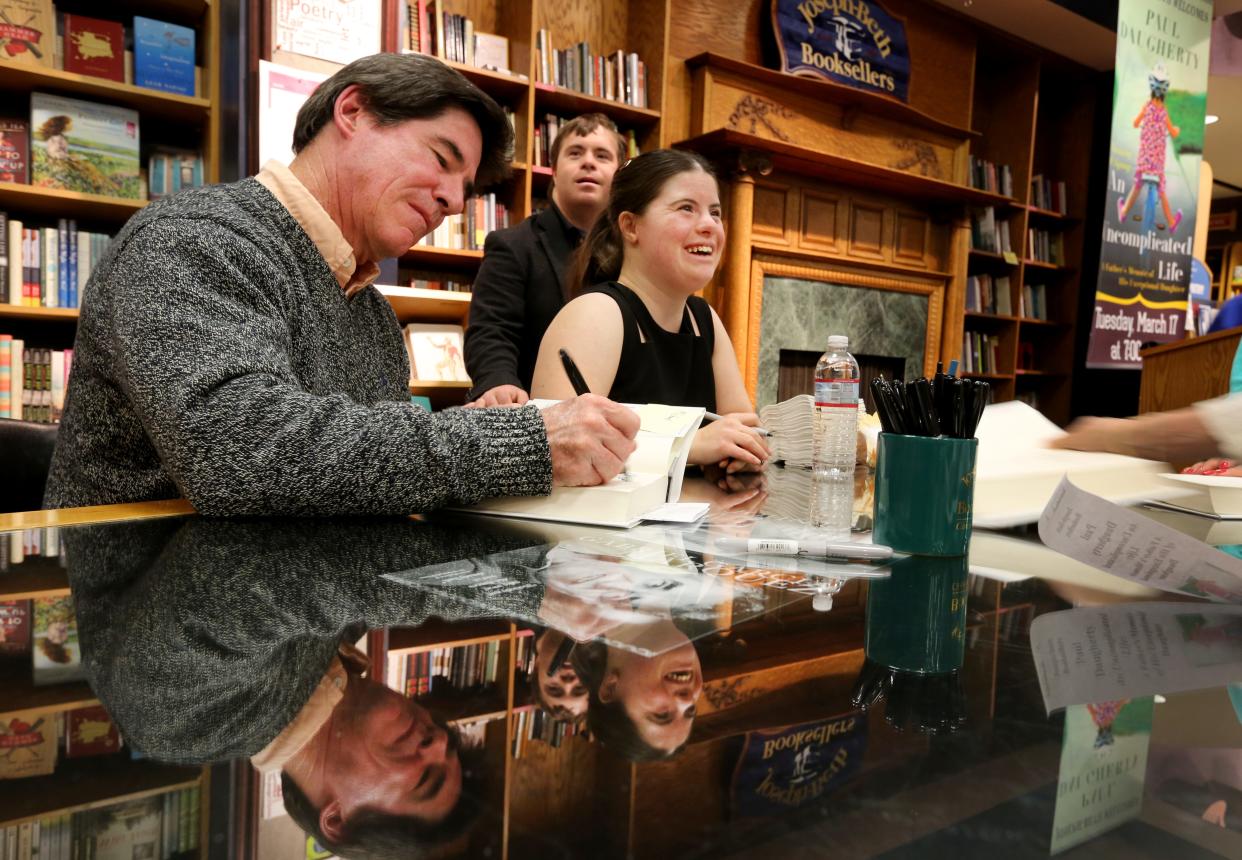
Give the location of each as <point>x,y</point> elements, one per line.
<point>1159,103</point>
<point>852,42</point>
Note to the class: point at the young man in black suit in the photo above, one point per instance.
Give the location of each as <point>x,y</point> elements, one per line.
<point>520,286</point>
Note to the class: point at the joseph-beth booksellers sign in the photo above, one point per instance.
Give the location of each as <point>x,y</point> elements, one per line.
<point>852,42</point>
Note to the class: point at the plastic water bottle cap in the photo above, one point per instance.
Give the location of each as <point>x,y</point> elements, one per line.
<point>838,341</point>
<point>822,603</point>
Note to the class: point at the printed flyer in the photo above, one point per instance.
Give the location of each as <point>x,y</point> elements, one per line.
<point>1159,105</point>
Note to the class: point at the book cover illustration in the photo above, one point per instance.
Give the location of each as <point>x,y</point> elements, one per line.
<point>27,30</point>
<point>83,146</point>
<point>436,353</point>
<point>14,628</point>
<point>1103,769</point>
<point>14,150</point>
<point>94,47</point>
<point>90,731</point>
<point>163,56</point>
<point>57,655</point>
<point>28,746</point>
<point>131,830</point>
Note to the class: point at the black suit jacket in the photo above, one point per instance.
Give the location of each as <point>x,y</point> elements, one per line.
<point>519,289</point>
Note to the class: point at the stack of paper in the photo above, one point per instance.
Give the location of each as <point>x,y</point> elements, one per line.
<point>792,423</point>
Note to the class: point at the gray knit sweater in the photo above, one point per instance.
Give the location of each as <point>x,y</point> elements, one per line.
<point>217,358</point>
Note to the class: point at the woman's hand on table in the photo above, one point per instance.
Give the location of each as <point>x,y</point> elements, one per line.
<point>1216,467</point>
<point>731,443</point>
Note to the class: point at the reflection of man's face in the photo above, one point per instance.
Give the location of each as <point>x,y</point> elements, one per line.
<point>658,693</point>
<point>563,693</point>
<point>389,756</point>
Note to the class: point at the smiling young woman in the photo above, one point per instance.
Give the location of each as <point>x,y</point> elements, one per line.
<point>638,333</point>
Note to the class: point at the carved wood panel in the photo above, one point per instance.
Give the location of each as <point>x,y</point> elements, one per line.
<point>772,224</point>
<point>819,224</point>
<point>866,231</point>
<point>911,237</point>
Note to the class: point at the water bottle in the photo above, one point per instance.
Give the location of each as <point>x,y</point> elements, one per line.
<point>836,409</point>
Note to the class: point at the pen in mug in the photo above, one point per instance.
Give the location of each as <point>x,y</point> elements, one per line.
<point>712,416</point>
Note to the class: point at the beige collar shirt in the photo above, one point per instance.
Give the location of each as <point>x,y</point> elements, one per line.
<point>323,231</point>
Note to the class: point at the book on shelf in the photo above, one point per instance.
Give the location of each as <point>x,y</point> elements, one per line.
<point>988,233</point>
<point>94,47</point>
<point>14,631</point>
<point>33,381</point>
<point>163,56</point>
<point>1046,246</point>
<point>437,281</point>
<point>14,150</point>
<point>989,176</point>
<point>980,352</point>
<point>57,654</point>
<point>47,267</point>
<point>90,732</point>
<point>986,294</point>
<point>28,35</point>
<point>436,352</point>
<point>1048,194</point>
<point>536,724</point>
<point>1026,355</point>
<point>1034,302</point>
<point>31,744</point>
<point>84,146</point>
<point>16,547</point>
<point>429,28</point>
<point>171,170</point>
<point>619,77</point>
<point>654,476</point>
<point>467,231</point>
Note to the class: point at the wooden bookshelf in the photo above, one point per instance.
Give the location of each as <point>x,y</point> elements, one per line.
<point>169,106</point>
<point>446,634</point>
<point>23,699</point>
<point>21,200</point>
<point>448,258</point>
<point>90,783</point>
<point>550,99</point>
<point>412,304</point>
<point>32,579</point>
<point>45,314</point>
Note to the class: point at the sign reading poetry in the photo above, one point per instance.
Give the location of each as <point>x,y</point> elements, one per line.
<point>339,31</point>
<point>852,42</point>
<point>1159,103</point>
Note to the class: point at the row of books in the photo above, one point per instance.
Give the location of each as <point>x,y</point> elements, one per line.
<point>988,233</point>
<point>1046,246</point>
<point>16,547</point>
<point>986,294</point>
<point>979,352</point>
<point>437,281</point>
<point>536,724</point>
<point>988,176</point>
<point>618,77</point>
<point>47,267</point>
<point>547,129</point>
<point>162,825</point>
<point>1048,194</point>
<point>32,381</point>
<point>1033,303</point>
<point>428,28</point>
<point>149,53</point>
<point>461,668</point>
<point>468,230</point>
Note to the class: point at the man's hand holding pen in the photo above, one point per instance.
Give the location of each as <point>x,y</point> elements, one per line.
<point>590,438</point>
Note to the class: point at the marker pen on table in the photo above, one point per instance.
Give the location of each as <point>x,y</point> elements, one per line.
<point>812,548</point>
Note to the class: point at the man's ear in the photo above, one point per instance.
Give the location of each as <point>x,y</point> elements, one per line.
<point>332,821</point>
<point>608,688</point>
<point>348,111</point>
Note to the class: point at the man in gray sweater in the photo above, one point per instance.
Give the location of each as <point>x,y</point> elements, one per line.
<point>232,349</point>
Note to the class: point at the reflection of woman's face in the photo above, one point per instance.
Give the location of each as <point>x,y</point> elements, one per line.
<point>658,693</point>
<point>563,693</point>
<point>57,146</point>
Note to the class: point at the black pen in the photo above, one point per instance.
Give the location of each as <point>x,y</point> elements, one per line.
<point>575,376</point>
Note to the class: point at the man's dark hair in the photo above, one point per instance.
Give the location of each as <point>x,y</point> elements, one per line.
<point>581,126</point>
<point>379,836</point>
<point>398,87</point>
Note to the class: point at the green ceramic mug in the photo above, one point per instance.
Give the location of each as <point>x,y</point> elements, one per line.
<point>924,493</point>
